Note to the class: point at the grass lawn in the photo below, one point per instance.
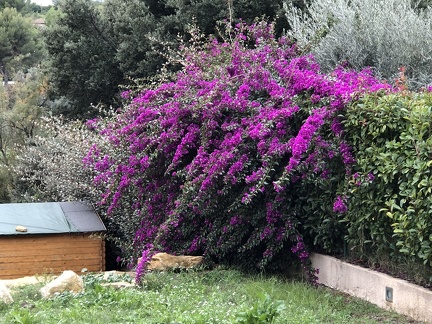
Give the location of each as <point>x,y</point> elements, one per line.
<point>218,296</point>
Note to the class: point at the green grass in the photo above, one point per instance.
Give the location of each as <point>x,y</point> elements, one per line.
<point>218,296</point>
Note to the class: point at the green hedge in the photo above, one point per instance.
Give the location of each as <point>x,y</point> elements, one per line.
<point>389,192</point>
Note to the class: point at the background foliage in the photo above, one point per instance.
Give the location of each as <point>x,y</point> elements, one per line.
<point>21,107</point>
<point>20,44</point>
<point>94,48</point>
<point>51,169</point>
<point>82,64</point>
<point>397,34</point>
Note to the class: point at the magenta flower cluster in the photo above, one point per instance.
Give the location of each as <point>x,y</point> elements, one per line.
<point>209,159</point>
<point>339,205</point>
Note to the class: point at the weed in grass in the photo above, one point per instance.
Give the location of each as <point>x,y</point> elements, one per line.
<point>3,307</point>
<point>263,311</point>
<point>27,292</point>
<point>20,316</point>
<point>154,282</point>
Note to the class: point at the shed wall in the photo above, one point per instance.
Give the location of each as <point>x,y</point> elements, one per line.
<point>28,255</point>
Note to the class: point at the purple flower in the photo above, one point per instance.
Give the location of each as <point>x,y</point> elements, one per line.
<point>142,264</point>
<point>92,123</point>
<point>231,70</point>
<point>194,246</point>
<point>126,94</point>
<point>315,98</point>
<point>337,127</point>
<point>298,247</point>
<point>345,151</point>
<point>339,205</point>
<point>301,142</point>
<point>235,220</point>
<point>277,187</point>
<point>268,253</point>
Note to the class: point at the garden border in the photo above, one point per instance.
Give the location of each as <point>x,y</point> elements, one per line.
<point>377,288</point>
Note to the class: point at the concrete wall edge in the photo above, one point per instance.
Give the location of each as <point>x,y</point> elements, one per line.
<point>375,287</point>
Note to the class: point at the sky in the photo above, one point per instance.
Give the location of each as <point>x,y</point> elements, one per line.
<point>43,2</point>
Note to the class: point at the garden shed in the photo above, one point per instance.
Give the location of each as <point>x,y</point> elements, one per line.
<point>45,238</point>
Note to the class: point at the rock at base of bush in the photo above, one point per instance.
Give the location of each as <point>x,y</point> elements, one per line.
<point>67,281</point>
<point>164,261</point>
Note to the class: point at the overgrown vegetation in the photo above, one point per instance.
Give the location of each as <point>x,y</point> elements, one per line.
<point>212,163</point>
<point>218,296</point>
<point>21,108</point>
<point>23,85</point>
<point>20,43</point>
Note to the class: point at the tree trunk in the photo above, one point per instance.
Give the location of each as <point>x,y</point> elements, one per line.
<point>5,75</point>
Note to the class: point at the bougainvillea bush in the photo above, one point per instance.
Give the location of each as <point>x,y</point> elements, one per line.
<point>215,162</point>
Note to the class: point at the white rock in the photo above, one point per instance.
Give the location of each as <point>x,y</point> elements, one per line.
<point>5,296</point>
<point>20,228</point>
<point>118,285</point>
<point>67,281</point>
<point>24,281</point>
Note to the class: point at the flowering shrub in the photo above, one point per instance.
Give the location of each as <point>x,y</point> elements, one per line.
<point>51,168</point>
<point>214,162</point>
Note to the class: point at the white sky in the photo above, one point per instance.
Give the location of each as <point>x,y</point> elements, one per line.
<point>43,2</point>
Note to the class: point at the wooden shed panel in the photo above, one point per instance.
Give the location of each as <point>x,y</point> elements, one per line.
<point>67,264</point>
<point>35,254</point>
<point>52,255</point>
<point>62,239</point>
<point>30,247</point>
<point>45,252</point>
<point>41,266</point>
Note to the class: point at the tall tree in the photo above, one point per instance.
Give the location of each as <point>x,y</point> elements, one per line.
<point>22,6</point>
<point>95,47</point>
<point>133,28</point>
<point>206,13</point>
<point>52,16</point>
<point>21,107</point>
<point>20,43</point>
<point>83,66</point>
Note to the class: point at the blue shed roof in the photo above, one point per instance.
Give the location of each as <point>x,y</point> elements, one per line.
<point>49,218</point>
